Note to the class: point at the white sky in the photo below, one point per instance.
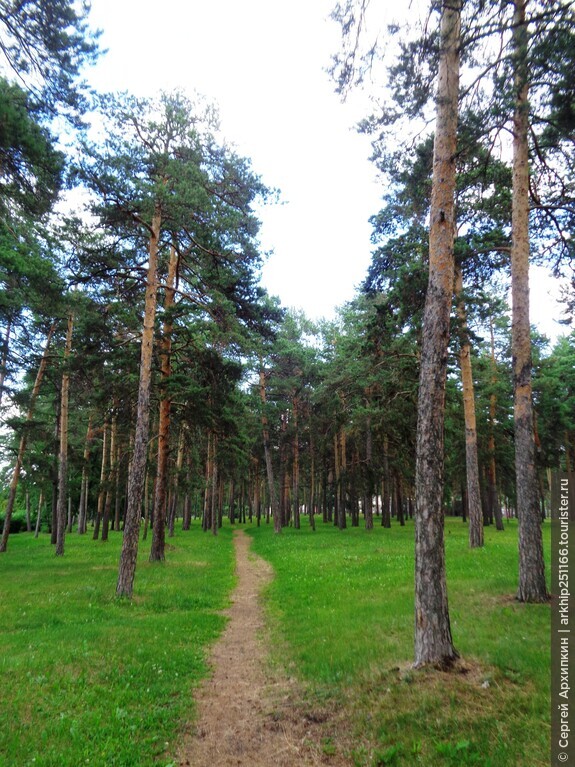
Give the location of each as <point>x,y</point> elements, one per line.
<point>263,62</point>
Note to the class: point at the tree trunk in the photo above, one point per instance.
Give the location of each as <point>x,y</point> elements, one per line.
<point>368,496</point>
<point>63,453</point>
<point>137,476</point>
<point>39,515</point>
<point>295,478</point>
<point>4,361</point>
<point>28,520</point>
<point>532,587</point>
<point>110,478</point>
<point>268,456</point>
<point>471,457</point>
<point>83,504</point>
<point>494,500</point>
<point>398,495</point>
<point>157,551</point>
<point>214,506</point>
<point>312,487</point>
<point>102,488</point>
<point>22,446</point>
<point>433,642</point>
<point>385,513</point>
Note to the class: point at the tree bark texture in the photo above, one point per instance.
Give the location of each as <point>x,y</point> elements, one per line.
<point>137,475</point>
<point>63,452</point>
<point>532,587</point>
<point>433,642</point>
<point>471,453</point>
<point>22,446</point>
<point>157,552</point>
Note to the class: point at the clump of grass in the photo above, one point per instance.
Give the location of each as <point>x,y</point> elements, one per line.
<point>88,679</point>
<point>342,605</point>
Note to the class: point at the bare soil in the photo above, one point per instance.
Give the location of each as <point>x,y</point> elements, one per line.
<point>249,712</point>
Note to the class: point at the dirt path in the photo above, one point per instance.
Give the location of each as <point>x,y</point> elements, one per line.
<point>248,714</point>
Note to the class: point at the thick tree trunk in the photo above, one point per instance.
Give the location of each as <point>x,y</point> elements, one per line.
<point>433,642</point>
<point>157,551</point>
<point>268,457</point>
<point>22,446</point>
<point>471,455</point>
<point>63,454</point>
<point>532,587</point>
<point>137,476</point>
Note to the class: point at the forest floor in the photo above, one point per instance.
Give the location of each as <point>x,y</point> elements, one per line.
<point>249,711</point>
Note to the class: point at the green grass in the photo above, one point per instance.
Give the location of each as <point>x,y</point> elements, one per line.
<point>342,604</point>
<point>90,680</point>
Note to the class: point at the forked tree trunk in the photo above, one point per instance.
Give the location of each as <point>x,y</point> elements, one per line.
<point>532,587</point>
<point>433,642</point>
<point>22,446</point>
<point>63,453</point>
<point>137,476</point>
<point>157,551</point>
<point>471,457</point>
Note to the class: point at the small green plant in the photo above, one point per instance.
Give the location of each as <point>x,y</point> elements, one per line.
<point>328,747</point>
<point>388,756</point>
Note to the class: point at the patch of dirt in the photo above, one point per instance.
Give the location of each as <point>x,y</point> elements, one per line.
<point>248,713</point>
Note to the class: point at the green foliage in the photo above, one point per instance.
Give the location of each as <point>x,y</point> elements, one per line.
<point>31,167</point>
<point>45,43</point>
<point>81,683</point>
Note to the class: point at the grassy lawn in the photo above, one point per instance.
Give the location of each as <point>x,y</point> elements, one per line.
<point>87,679</point>
<point>342,604</point>
<point>90,680</point>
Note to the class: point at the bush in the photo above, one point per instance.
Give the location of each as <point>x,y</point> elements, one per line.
<point>17,523</point>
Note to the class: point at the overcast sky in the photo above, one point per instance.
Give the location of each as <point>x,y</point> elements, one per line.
<point>263,62</point>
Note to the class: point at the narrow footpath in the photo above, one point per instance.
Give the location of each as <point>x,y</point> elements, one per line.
<point>249,713</point>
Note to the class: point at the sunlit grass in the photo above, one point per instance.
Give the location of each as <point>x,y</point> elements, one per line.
<point>342,603</point>
<point>88,679</point>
